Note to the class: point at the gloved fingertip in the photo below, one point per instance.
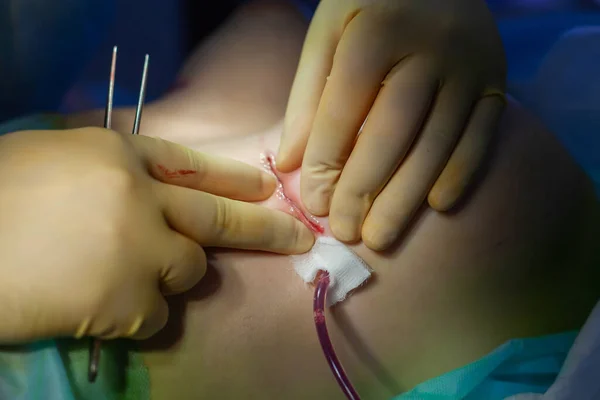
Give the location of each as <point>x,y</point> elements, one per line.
<point>344,229</point>
<point>287,161</point>
<point>83,328</point>
<point>316,204</point>
<point>304,239</point>
<point>378,243</point>
<point>268,183</point>
<point>442,200</point>
<point>378,240</point>
<point>135,326</point>
<point>316,191</point>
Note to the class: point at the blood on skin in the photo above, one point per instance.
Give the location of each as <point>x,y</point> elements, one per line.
<point>268,161</point>
<point>174,173</point>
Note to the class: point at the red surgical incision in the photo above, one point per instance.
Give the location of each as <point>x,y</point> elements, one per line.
<point>308,220</point>
<point>174,173</point>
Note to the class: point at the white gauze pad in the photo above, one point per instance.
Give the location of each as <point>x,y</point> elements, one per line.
<point>347,271</point>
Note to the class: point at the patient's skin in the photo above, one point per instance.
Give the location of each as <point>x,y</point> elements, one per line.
<point>516,259</point>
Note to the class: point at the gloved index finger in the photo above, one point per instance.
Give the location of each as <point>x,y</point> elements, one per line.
<point>178,165</point>
<point>361,64</point>
<point>216,221</point>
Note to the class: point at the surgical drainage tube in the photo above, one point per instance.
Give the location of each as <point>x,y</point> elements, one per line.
<point>323,281</point>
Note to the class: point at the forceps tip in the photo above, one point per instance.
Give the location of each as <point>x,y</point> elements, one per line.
<point>94,360</point>
<point>142,96</point>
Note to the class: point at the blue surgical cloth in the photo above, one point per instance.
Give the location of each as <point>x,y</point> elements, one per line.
<point>518,366</point>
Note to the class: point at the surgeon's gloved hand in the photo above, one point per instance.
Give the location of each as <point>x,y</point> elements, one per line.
<point>96,227</point>
<point>430,75</point>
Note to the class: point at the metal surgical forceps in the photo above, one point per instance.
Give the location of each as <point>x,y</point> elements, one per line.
<point>96,344</point>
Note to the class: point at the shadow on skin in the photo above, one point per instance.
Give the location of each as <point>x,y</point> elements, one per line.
<point>362,351</point>
<point>114,359</point>
<point>174,330</point>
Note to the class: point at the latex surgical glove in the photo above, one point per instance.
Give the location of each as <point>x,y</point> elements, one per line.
<point>430,76</point>
<point>97,227</point>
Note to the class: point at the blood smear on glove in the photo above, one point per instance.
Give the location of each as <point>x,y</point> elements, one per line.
<point>268,162</point>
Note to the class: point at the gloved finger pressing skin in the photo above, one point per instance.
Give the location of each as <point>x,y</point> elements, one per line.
<point>139,317</point>
<point>215,221</point>
<point>150,325</point>
<point>468,155</point>
<point>178,165</point>
<point>313,68</point>
<point>393,122</point>
<point>184,266</point>
<point>360,65</point>
<point>169,262</point>
<point>395,206</point>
